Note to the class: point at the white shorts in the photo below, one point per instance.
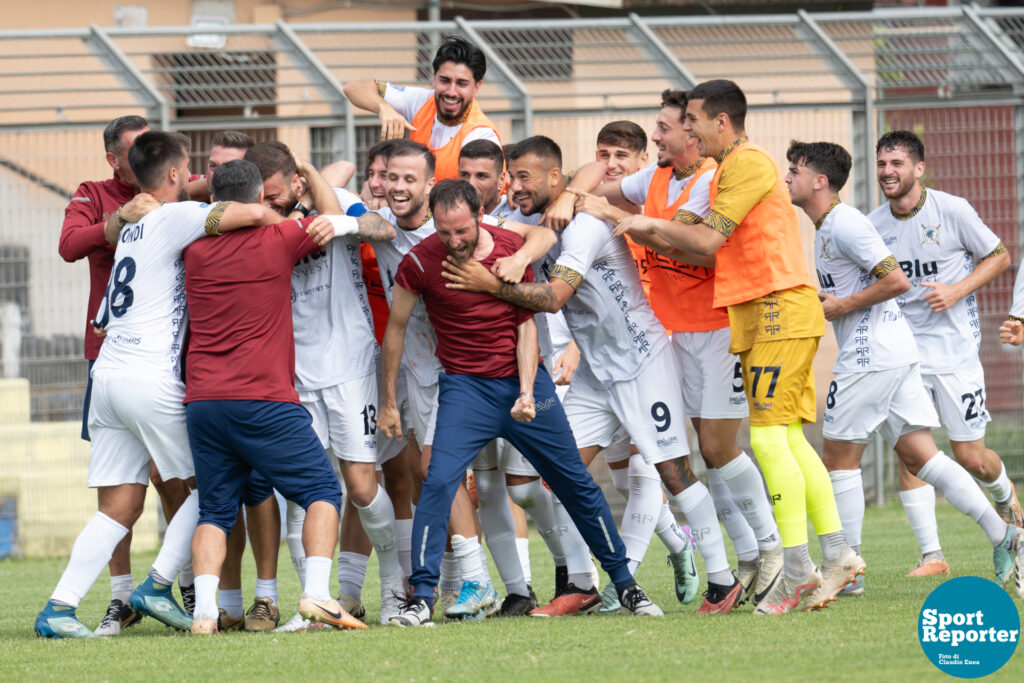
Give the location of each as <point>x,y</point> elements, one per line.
<point>134,419</point>
<point>390,448</point>
<point>892,401</point>
<point>618,451</point>
<point>501,455</point>
<point>712,379</point>
<point>960,399</point>
<point>345,418</point>
<point>649,408</point>
<point>421,413</point>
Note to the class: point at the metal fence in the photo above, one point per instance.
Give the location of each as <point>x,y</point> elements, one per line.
<point>955,75</point>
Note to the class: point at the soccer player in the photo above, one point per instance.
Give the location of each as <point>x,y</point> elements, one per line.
<point>81,236</point>
<point>492,386</point>
<point>627,379</point>
<point>775,322</point>
<point>443,118</point>
<point>136,416</point>
<point>676,188</point>
<point>877,383</point>
<point>948,253</point>
<point>330,312</point>
<point>482,165</point>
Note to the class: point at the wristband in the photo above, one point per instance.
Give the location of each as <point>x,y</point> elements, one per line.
<point>344,225</point>
<point>301,208</point>
<point>526,395</point>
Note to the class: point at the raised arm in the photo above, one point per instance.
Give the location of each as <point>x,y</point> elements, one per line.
<point>365,95</point>
<point>655,232</point>
<point>527,358</point>
<point>388,420</point>
<point>890,281</point>
<point>339,173</point>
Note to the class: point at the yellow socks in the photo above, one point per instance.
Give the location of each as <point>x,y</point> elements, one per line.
<point>771,446</point>
<point>821,502</point>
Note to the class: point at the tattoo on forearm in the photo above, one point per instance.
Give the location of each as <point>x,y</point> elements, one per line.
<point>536,296</point>
<point>676,474</point>
<point>373,228</point>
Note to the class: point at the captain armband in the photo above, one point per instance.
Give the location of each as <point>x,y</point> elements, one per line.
<point>568,275</point>
<point>688,217</point>
<point>213,218</point>
<point>1000,249</point>
<point>719,223</point>
<point>885,266</point>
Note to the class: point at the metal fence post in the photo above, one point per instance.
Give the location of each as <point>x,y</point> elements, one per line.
<point>130,75</point>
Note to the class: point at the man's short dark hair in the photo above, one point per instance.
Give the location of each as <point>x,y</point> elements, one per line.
<point>237,180</point>
<point>409,148</point>
<point>675,98</point>
<point>116,128</point>
<point>233,139</point>
<point>272,157</point>
<point>380,149</point>
<point>484,149</point>
<point>540,146</point>
<point>722,96</point>
<point>827,158</point>
<point>153,153</point>
<point>461,51</point>
<point>449,193</point>
<point>902,139</point>
<point>624,134</point>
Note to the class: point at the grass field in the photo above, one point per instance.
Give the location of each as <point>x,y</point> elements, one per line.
<point>869,638</point>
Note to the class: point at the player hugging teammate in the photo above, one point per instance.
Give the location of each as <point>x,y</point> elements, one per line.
<point>263,329</point>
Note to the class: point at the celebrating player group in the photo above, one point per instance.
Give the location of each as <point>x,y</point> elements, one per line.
<point>455,345</point>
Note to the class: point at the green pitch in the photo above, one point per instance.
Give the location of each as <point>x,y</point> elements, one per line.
<point>869,638</point>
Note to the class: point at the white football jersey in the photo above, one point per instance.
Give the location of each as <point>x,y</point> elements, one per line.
<point>334,340</point>
<point>407,100</point>
<point>420,340</point>
<point>610,319</point>
<point>846,248</point>
<point>1017,305</point>
<point>940,243</point>
<point>635,187</point>
<point>143,309</point>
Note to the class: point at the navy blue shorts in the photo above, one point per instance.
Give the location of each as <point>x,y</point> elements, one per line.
<point>257,490</point>
<point>85,408</point>
<point>231,439</point>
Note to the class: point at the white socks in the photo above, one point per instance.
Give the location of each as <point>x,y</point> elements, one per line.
<point>669,531</point>
<point>206,596</point>
<point>176,550</point>
<point>500,529</point>
<point>90,553</point>
<point>467,554</point>
<point>351,573</point>
<point>919,504</point>
<point>378,520</point>
<point>121,587</point>
<point>748,492</point>
<point>960,489</point>
<point>266,588</point>
<point>582,572</point>
<point>231,601</point>
<point>643,508</point>
<point>695,502</point>
<point>1000,489</point>
<point>538,502</point>
<point>736,526</point>
<point>318,573</point>
<point>523,550</point>
<point>848,488</point>
<point>450,578</point>
<point>295,517</point>
<point>403,543</point>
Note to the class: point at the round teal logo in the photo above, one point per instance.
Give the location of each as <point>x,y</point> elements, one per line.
<point>968,627</point>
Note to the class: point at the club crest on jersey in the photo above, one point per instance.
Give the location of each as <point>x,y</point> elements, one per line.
<point>930,234</point>
<point>826,249</point>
